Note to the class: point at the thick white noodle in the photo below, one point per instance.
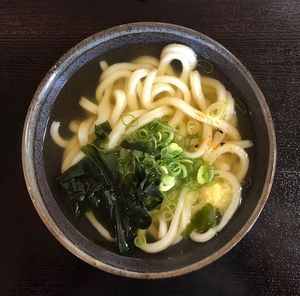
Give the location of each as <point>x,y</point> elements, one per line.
<point>83,131</point>
<point>159,88</point>
<point>88,105</point>
<point>72,145</point>
<point>205,146</point>
<point>230,106</point>
<point>167,59</point>
<point>193,127</point>
<point>180,52</point>
<point>195,80</point>
<point>223,166</point>
<point>110,71</point>
<point>177,83</point>
<point>79,156</point>
<point>109,81</point>
<point>133,81</point>
<point>235,149</point>
<point>217,139</point>
<point>218,86</point>
<point>147,60</point>
<point>103,65</point>
<point>120,105</point>
<point>104,108</point>
<point>188,60</point>
<point>163,228</point>
<point>99,227</point>
<point>74,126</point>
<point>148,117</point>
<point>243,144</point>
<point>185,218</point>
<point>148,85</point>
<point>56,136</point>
<point>68,159</point>
<point>172,231</point>
<point>198,115</point>
<point>182,88</point>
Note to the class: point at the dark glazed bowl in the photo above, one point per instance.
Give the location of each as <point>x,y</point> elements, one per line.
<point>76,74</point>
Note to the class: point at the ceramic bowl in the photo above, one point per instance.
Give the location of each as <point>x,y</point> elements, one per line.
<point>76,74</point>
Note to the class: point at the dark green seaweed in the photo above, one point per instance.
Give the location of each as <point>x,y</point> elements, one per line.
<point>96,183</point>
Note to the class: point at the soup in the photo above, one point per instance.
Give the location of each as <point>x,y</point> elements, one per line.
<point>159,157</point>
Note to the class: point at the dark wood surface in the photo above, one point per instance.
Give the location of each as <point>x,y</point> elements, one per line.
<point>264,35</point>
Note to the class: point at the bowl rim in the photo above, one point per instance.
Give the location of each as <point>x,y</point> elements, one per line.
<point>32,120</point>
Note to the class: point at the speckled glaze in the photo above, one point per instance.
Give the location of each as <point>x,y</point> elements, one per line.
<point>61,88</point>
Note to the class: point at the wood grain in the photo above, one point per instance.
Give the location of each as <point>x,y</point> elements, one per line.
<point>263,34</point>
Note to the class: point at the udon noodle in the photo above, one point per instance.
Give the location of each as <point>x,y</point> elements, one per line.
<point>199,108</point>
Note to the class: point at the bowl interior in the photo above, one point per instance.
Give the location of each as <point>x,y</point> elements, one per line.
<point>78,77</point>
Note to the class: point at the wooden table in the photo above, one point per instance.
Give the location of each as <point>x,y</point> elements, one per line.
<point>263,34</point>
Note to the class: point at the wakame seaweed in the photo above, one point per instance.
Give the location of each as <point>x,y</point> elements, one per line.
<point>101,132</point>
<point>84,185</point>
<point>204,219</point>
<point>96,183</point>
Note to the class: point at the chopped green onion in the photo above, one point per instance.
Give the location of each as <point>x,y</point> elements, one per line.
<point>187,161</point>
<point>184,172</point>
<point>142,135</point>
<point>174,168</point>
<point>167,182</point>
<point>171,151</point>
<point>159,136</point>
<point>164,169</point>
<point>149,162</point>
<point>204,175</point>
<point>131,120</point>
<point>205,65</point>
<point>140,241</point>
<point>156,149</point>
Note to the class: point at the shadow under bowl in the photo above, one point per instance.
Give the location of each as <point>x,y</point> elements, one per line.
<point>76,74</point>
